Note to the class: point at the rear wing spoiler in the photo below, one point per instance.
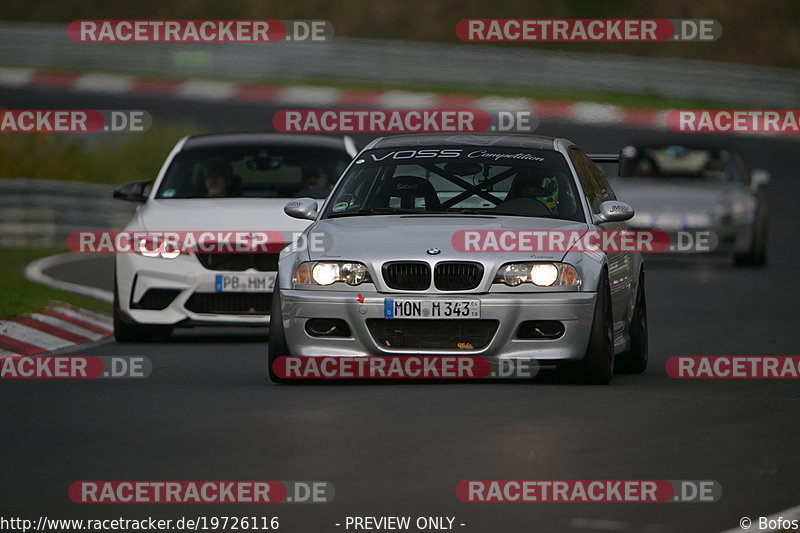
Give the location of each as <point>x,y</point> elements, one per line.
<point>604,158</point>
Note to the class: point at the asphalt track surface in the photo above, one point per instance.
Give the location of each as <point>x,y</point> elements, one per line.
<point>206,412</point>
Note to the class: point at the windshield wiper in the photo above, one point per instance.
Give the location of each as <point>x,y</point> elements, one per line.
<point>378,211</point>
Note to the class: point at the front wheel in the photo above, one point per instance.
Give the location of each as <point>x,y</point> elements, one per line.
<point>634,361</point>
<point>756,256</point>
<point>597,366</point>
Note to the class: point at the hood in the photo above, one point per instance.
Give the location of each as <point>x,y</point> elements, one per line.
<point>381,238</point>
<point>674,195</point>
<point>222,214</point>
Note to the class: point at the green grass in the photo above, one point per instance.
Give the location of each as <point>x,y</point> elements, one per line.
<point>21,296</point>
<point>94,158</point>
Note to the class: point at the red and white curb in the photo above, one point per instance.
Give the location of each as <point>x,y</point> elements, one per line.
<point>52,329</point>
<point>57,327</point>
<point>298,95</point>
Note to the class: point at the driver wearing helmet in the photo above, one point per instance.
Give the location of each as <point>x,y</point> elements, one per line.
<point>543,189</point>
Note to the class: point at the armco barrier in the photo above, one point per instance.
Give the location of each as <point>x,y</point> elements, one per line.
<point>46,46</point>
<point>38,212</point>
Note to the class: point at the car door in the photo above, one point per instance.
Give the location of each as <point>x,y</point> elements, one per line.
<point>598,190</point>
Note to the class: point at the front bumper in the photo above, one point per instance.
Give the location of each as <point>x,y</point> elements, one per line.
<point>575,310</point>
<point>196,299</point>
<point>717,239</point>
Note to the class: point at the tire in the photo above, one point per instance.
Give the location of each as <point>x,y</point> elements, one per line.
<point>127,332</point>
<point>597,366</point>
<point>760,258</point>
<point>634,360</point>
<point>277,337</point>
<point>757,255</point>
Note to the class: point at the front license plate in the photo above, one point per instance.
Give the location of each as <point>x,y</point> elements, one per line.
<point>244,282</point>
<point>407,308</point>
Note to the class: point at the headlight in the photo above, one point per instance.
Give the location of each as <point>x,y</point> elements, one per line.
<point>540,274</point>
<point>148,249</point>
<point>328,273</point>
<point>741,211</point>
<point>544,274</point>
<point>738,210</point>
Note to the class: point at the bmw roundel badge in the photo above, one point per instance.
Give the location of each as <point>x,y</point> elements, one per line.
<point>434,251</point>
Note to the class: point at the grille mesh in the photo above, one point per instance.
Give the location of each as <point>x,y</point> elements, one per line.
<point>234,303</point>
<point>408,276</point>
<point>457,276</point>
<point>239,262</point>
<point>470,334</point>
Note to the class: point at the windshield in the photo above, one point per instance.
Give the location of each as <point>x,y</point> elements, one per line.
<point>497,181</point>
<point>680,162</point>
<point>253,171</point>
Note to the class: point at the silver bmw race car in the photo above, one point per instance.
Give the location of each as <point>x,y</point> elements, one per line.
<point>396,272</point>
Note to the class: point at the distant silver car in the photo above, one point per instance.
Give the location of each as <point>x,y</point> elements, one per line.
<point>697,188</point>
<point>390,280</point>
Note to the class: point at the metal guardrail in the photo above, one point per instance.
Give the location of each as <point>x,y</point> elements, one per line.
<point>45,45</point>
<point>38,212</point>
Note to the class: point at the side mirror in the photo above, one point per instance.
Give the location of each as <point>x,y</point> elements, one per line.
<point>759,178</point>
<point>132,191</point>
<point>613,211</point>
<point>303,208</point>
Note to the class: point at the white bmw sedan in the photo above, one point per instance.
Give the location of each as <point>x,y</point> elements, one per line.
<point>213,185</point>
